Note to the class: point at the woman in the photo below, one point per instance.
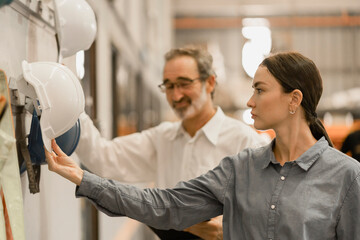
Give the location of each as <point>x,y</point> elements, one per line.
<point>297,187</point>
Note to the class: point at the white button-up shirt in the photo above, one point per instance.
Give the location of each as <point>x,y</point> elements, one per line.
<point>164,154</point>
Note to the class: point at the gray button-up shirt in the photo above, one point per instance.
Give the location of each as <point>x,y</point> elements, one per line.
<point>315,197</point>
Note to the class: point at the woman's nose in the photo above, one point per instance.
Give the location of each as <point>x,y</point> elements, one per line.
<point>249,103</point>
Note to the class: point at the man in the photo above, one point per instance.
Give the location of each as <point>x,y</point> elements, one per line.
<point>173,151</point>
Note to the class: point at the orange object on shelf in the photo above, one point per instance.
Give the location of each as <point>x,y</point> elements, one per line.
<point>269,132</point>
<point>337,134</point>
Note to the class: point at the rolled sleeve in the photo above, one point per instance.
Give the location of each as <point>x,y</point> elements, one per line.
<point>100,193</point>
<point>90,186</point>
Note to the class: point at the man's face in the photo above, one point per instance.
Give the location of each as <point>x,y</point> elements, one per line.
<point>187,95</point>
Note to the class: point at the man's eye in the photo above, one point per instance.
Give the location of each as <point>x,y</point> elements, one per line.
<point>258,90</point>
<point>169,86</point>
<point>184,84</point>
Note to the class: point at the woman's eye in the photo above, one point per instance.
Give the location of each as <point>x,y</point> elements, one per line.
<point>258,90</point>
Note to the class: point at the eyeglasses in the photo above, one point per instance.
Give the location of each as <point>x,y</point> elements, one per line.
<point>182,83</point>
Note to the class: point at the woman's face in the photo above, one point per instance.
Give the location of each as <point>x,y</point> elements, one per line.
<point>269,103</point>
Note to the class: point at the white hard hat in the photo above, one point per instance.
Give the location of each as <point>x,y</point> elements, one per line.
<point>59,94</point>
<point>75,25</point>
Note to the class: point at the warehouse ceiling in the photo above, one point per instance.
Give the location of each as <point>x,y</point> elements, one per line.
<point>233,8</point>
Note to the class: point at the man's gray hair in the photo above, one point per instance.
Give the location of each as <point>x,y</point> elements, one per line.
<point>202,57</point>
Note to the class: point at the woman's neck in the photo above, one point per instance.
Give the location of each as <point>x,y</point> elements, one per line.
<point>292,141</point>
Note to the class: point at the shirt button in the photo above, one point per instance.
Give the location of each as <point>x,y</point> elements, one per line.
<point>282,178</point>
<point>273,206</point>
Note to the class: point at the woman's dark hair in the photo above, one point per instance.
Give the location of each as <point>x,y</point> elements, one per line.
<point>295,71</point>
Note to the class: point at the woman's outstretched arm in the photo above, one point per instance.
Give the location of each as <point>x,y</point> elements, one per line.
<point>188,203</point>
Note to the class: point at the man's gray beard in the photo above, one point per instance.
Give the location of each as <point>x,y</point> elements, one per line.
<point>193,106</point>
<point>180,114</point>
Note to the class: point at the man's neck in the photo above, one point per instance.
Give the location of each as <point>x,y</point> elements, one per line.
<point>192,125</point>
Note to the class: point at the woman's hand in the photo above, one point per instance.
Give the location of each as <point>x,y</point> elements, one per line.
<point>63,165</point>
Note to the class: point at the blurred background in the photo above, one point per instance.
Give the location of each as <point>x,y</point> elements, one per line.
<point>121,71</point>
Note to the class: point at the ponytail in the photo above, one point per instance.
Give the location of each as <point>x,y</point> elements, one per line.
<point>318,131</point>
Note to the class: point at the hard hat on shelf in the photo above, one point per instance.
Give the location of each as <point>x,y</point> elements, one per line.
<point>5,2</point>
<point>75,25</point>
<point>59,95</point>
<point>67,142</point>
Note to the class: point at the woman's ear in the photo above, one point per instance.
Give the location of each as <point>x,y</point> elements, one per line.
<point>296,99</point>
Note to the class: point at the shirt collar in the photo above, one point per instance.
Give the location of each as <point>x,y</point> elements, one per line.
<point>179,130</point>
<point>305,161</point>
<point>211,129</point>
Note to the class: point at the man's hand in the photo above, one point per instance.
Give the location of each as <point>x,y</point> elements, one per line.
<point>209,230</point>
<point>63,165</point>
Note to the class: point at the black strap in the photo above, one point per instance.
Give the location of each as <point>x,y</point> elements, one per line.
<point>32,172</point>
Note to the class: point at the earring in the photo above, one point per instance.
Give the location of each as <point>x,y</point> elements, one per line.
<point>292,112</point>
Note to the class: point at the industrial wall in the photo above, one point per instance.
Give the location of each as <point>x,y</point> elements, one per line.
<point>139,32</point>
